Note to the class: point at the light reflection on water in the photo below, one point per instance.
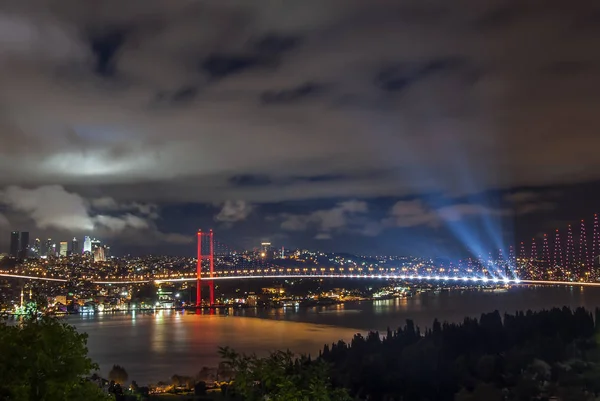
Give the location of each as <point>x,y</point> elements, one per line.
<point>153,347</point>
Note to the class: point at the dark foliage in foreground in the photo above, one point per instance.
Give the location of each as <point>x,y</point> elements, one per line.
<point>527,356</point>
<point>279,377</point>
<point>43,359</point>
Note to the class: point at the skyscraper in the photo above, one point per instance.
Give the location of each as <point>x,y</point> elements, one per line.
<point>24,244</point>
<point>64,245</point>
<point>14,244</point>
<point>99,254</point>
<point>106,251</point>
<point>75,246</point>
<point>48,248</point>
<point>266,250</point>
<point>37,246</point>
<point>96,243</point>
<point>87,244</point>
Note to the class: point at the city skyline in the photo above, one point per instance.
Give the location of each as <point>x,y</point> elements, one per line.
<point>227,200</point>
<point>22,248</point>
<point>397,128</point>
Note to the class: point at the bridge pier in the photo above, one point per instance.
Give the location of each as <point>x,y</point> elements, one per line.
<point>211,289</point>
<point>211,258</point>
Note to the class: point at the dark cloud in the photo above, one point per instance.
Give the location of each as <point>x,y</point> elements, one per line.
<point>222,65</point>
<point>266,52</point>
<point>374,99</point>
<point>175,98</point>
<point>395,78</point>
<point>274,44</point>
<point>244,180</point>
<point>105,45</point>
<point>184,94</point>
<point>294,94</point>
<point>322,178</point>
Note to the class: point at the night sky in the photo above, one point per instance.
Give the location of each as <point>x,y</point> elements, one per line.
<point>425,127</point>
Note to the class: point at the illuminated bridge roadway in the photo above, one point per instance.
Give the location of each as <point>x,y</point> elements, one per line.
<point>481,280</point>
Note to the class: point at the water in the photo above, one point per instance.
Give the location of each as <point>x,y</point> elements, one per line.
<point>153,347</point>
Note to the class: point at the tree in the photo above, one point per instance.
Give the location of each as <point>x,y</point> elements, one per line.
<point>483,391</point>
<point>200,388</point>
<point>280,377</point>
<point>115,389</point>
<point>187,381</point>
<point>224,372</point>
<point>44,359</point>
<point>118,374</point>
<point>207,374</point>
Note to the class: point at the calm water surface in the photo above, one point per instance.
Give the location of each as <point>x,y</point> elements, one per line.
<point>153,347</point>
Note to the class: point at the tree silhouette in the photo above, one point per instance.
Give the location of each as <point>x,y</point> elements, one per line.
<point>528,355</point>
<point>118,374</point>
<point>45,359</point>
<point>279,377</point>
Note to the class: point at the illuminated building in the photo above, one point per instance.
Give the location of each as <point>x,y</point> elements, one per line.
<point>24,244</point>
<point>87,244</point>
<point>63,248</point>
<point>96,243</point>
<point>266,250</point>
<point>99,254</point>
<point>14,244</point>
<point>273,290</point>
<point>166,297</point>
<point>75,246</point>
<point>37,246</point>
<point>47,251</point>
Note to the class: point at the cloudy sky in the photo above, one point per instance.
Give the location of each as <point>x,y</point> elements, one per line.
<point>420,126</point>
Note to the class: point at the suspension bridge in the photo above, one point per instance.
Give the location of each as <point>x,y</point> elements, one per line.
<point>560,262</point>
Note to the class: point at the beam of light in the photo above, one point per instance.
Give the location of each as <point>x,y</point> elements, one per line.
<point>477,230</point>
<point>466,177</point>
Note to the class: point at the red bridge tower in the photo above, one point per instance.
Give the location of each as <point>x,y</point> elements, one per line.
<point>211,258</point>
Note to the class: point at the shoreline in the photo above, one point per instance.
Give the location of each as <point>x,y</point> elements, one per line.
<point>294,304</point>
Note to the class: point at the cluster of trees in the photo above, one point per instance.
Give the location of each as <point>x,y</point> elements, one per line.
<point>42,359</point>
<point>279,377</point>
<point>526,356</point>
<point>552,354</point>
